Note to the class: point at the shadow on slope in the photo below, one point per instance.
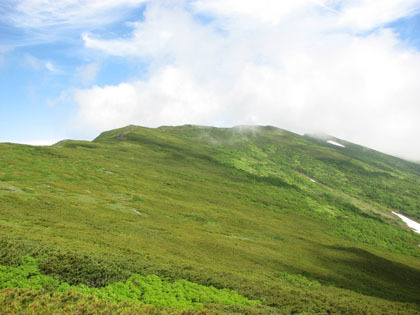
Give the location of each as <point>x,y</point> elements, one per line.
<point>369,274</point>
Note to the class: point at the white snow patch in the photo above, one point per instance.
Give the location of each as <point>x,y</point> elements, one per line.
<point>410,223</point>
<point>311,179</point>
<point>336,143</point>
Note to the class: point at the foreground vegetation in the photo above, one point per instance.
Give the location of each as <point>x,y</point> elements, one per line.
<point>25,301</point>
<point>197,207</point>
<point>151,290</point>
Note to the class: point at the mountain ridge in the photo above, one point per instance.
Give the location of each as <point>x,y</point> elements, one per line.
<point>300,225</point>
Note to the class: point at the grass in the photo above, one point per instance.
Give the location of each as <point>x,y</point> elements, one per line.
<point>228,208</point>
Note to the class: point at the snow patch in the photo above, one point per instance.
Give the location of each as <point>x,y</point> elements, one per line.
<point>311,179</point>
<point>410,223</point>
<point>336,143</point>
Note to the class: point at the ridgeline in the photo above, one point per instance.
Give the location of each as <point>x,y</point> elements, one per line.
<point>204,220</point>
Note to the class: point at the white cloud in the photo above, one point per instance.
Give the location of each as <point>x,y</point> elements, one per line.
<point>173,93</point>
<point>86,74</point>
<point>38,64</point>
<point>358,15</point>
<point>66,13</point>
<point>50,67</point>
<point>366,14</point>
<point>271,11</point>
<point>295,65</point>
<point>38,142</point>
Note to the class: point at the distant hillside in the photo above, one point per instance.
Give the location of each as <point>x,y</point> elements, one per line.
<point>252,219</point>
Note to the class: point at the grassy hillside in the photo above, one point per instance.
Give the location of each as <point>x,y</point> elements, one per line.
<point>294,223</point>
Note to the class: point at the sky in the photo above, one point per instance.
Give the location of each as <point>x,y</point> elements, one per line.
<point>348,68</point>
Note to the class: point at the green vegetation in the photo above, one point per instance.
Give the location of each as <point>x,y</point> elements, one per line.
<point>25,301</point>
<point>151,289</point>
<point>198,207</point>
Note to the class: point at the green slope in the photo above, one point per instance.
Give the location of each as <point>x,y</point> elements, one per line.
<point>230,208</point>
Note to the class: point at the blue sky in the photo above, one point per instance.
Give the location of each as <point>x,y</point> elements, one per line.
<point>74,68</point>
<point>40,64</point>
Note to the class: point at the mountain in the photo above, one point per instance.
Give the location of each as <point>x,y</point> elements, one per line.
<point>249,220</point>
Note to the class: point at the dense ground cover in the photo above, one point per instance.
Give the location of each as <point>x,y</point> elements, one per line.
<point>229,208</point>
<point>151,290</point>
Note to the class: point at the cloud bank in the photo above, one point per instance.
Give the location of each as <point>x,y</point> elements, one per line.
<point>304,65</point>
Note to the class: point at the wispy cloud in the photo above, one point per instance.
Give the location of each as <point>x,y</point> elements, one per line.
<point>86,74</point>
<point>3,51</point>
<point>50,67</point>
<point>357,15</point>
<point>266,11</point>
<point>40,14</point>
<point>32,62</point>
<point>39,64</point>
